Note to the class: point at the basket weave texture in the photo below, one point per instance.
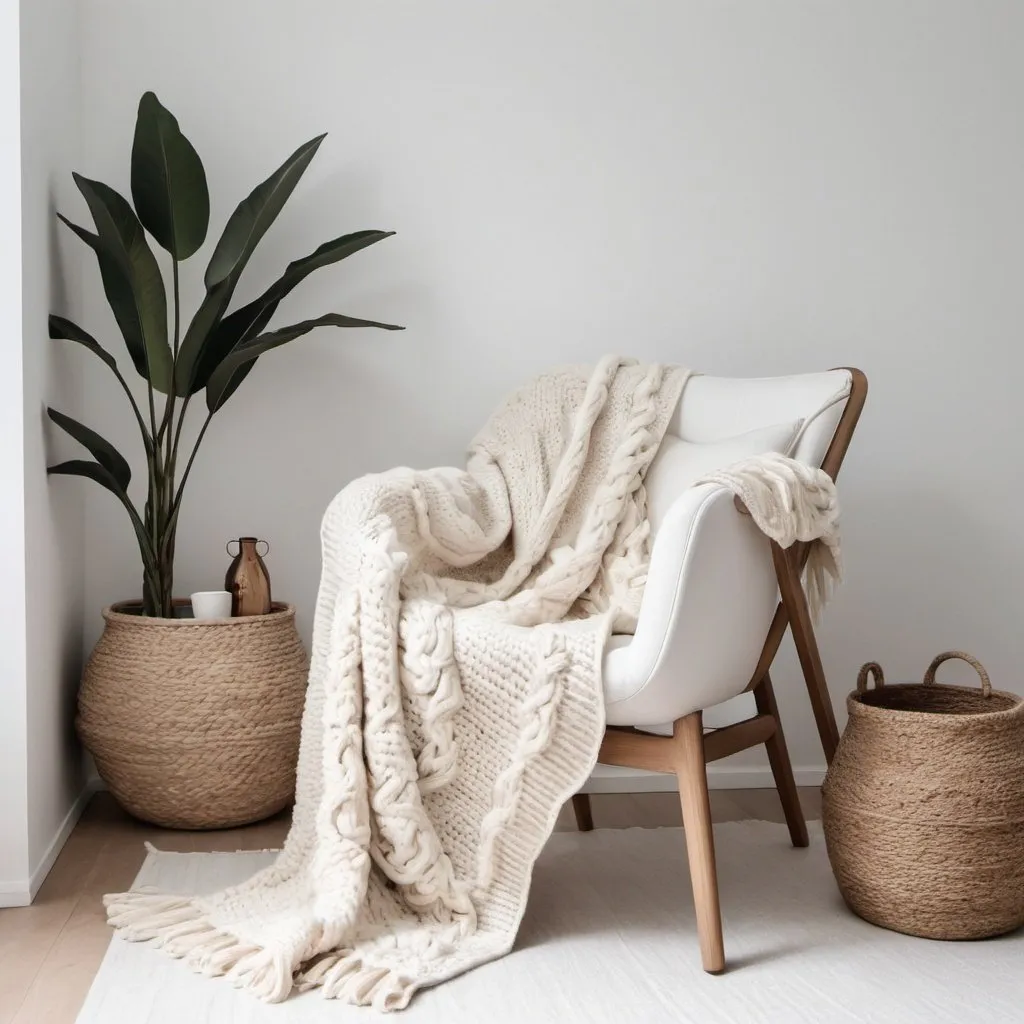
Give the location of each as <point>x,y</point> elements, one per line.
<point>923,806</point>
<point>196,724</point>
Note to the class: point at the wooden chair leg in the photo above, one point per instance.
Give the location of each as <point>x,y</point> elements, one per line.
<point>795,602</point>
<point>581,808</point>
<point>782,769</point>
<point>691,773</point>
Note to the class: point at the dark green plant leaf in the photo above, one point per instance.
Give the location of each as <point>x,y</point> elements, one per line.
<point>99,447</point>
<point>168,181</point>
<point>254,215</point>
<point>66,329</point>
<point>225,380</point>
<point>60,328</point>
<point>330,252</point>
<point>242,325</point>
<point>102,476</point>
<point>246,322</point>
<point>131,279</point>
<point>114,284</point>
<point>234,382</point>
<point>207,318</point>
<point>88,237</point>
<point>242,233</point>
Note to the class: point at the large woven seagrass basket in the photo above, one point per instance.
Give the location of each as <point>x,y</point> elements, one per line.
<point>923,806</point>
<point>195,724</point>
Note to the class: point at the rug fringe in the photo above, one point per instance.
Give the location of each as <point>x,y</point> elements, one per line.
<point>179,926</point>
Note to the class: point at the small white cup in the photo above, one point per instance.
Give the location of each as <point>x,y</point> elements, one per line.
<point>211,604</point>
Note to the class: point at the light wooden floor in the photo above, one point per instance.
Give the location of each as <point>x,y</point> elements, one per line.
<point>50,951</point>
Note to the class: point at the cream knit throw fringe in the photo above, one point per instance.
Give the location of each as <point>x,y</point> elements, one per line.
<point>454,699</point>
<point>791,502</point>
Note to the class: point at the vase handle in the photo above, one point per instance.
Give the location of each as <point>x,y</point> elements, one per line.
<point>227,548</point>
<point>986,683</point>
<point>265,553</point>
<point>873,669</point>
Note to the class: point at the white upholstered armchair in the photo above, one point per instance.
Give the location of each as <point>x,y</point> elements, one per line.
<point>711,619</point>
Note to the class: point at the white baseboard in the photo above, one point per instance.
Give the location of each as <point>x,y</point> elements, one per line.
<point>22,893</point>
<point>14,894</point>
<point>611,779</point>
<point>608,778</point>
<point>67,826</point>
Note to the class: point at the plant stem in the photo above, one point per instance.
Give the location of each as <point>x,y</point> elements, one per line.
<point>177,307</point>
<point>153,505</point>
<point>173,450</point>
<point>161,476</point>
<point>188,466</point>
<point>152,409</point>
<point>135,408</point>
<point>150,585</point>
<point>169,521</point>
<point>181,422</point>
<point>168,418</point>
<point>168,426</point>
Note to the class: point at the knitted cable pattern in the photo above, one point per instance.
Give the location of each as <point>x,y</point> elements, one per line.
<point>433,693</point>
<point>454,699</point>
<point>535,720</point>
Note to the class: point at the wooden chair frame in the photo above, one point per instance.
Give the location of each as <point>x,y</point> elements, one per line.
<point>688,750</point>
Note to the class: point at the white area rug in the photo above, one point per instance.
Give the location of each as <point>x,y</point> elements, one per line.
<point>609,938</point>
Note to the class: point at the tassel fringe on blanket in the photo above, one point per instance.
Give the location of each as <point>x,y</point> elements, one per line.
<point>790,501</point>
<point>454,699</point>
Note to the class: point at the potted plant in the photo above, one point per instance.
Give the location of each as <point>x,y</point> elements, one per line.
<point>154,671</point>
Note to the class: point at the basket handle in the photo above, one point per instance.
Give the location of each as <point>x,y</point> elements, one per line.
<point>986,683</point>
<point>873,669</point>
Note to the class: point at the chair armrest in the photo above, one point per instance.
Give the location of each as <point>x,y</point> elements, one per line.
<point>709,599</point>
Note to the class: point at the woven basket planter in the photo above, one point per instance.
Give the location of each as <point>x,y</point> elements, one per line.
<point>196,724</point>
<point>923,806</point>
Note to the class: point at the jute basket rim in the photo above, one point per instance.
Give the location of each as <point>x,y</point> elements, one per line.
<point>115,616</point>
<point>856,706</point>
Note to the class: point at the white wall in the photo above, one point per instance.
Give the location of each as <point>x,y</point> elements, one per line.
<point>41,529</point>
<point>742,187</point>
<point>14,861</point>
<point>54,512</point>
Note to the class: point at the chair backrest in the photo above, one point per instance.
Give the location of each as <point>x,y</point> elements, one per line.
<point>720,420</point>
<point>713,410</point>
<point>711,617</point>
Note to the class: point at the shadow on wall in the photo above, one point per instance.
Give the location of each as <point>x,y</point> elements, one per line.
<point>904,534</point>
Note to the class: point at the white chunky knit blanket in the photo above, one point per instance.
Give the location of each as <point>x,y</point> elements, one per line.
<point>454,699</point>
